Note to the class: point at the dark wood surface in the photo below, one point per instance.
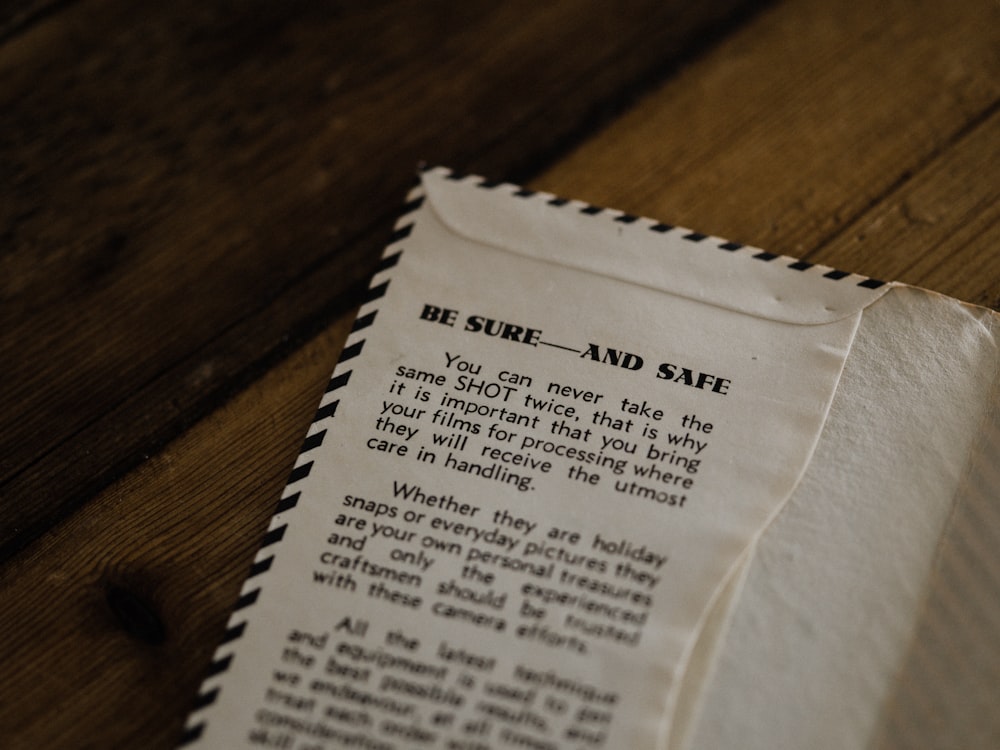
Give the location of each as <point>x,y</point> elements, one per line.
<point>195,194</point>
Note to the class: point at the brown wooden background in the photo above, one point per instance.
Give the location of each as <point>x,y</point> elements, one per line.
<point>194,194</point>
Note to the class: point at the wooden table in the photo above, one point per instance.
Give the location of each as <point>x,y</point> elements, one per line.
<point>194,194</point>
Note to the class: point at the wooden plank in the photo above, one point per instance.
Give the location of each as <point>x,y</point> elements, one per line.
<point>179,534</point>
<point>169,546</point>
<point>815,147</point>
<point>180,531</point>
<point>940,227</point>
<point>194,190</point>
<point>16,16</point>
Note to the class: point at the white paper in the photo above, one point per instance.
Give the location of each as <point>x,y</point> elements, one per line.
<point>845,567</point>
<point>535,487</point>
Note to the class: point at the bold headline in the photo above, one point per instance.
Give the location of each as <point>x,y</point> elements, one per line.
<point>668,371</point>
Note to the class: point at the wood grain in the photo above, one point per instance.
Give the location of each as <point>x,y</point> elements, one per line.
<point>864,138</point>
<point>16,16</point>
<point>195,188</point>
<point>861,137</point>
<point>940,227</point>
<point>174,539</point>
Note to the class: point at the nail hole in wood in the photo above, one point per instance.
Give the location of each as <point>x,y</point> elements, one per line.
<point>136,616</point>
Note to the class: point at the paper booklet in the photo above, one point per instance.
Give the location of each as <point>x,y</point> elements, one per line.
<point>587,480</point>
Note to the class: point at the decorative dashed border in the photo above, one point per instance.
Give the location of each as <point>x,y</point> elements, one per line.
<point>588,209</point>
<point>250,592</point>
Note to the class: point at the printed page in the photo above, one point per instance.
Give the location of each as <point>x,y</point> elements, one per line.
<point>545,449</point>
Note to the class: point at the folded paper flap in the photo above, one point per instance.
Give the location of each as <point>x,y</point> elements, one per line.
<point>645,252</point>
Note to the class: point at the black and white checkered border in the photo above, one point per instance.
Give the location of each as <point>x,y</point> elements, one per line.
<point>652,225</point>
<point>238,620</point>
